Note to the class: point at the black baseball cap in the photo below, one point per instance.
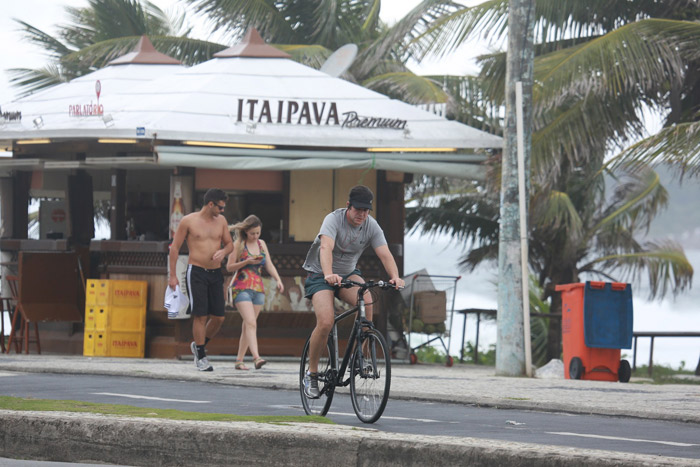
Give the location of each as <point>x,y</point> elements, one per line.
<point>361,197</point>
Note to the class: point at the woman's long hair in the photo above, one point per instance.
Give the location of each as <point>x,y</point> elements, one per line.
<point>240,229</point>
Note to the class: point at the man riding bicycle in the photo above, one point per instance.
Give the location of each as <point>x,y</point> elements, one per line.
<point>344,235</point>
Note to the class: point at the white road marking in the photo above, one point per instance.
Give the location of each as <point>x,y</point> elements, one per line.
<point>616,438</point>
<point>7,374</point>
<point>348,414</point>
<point>386,417</point>
<point>132,396</point>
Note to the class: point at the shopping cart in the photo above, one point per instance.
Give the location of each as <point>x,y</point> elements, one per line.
<point>431,300</point>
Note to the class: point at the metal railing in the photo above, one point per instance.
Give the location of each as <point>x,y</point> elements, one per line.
<point>653,335</point>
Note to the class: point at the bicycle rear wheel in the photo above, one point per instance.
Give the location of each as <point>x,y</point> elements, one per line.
<point>371,376</point>
<point>321,405</point>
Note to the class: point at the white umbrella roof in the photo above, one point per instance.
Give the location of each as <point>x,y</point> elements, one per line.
<point>252,98</point>
<point>86,102</point>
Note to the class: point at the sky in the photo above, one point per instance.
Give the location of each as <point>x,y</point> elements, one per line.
<point>45,14</point>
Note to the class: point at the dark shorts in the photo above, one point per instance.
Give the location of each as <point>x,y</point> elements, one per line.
<point>316,282</point>
<point>205,287</point>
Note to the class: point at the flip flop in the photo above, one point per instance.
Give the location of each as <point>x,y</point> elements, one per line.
<point>241,366</point>
<point>259,362</point>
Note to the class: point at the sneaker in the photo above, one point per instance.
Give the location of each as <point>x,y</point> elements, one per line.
<point>311,386</point>
<point>202,364</point>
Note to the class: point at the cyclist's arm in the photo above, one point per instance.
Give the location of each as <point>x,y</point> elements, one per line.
<point>326,257</point>
<point>389,264</point>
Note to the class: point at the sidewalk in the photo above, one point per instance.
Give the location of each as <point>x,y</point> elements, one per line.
<point>71,437</point>
<point>462,384</point>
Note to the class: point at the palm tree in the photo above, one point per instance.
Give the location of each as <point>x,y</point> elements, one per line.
<point>576,230</point>
<point>598,65</point>
<point>309,31</point>
<point>96,34</point>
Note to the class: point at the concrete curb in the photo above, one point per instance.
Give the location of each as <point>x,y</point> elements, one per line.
<point>69,437</point>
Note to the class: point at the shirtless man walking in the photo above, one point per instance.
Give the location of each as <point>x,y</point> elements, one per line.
<point>205,231</point>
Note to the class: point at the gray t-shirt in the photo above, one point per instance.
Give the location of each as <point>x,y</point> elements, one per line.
<point>350,242</point>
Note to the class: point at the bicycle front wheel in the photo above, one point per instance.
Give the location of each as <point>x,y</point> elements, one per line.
<point>321,405</point>
<point>371,376</point>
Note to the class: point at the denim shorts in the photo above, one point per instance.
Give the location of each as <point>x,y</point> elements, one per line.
<point>248,295</point>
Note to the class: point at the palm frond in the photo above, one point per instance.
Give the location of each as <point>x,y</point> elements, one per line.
<point>189,51</point>
<point>637,55</point>
<point>29,81</point>
<point>467,217</point>
<point>635,202</point>
<point>44,41</point>
<point>677,146</point>
<point>469,103</point>
<point>581,130</point>
<point>409,87</point>
<point>667,268</point>
<point>371,16</point>
<point>554,210</point>
<point>237,16</point>
<point>451,30</point>
<point>310,55</point>
<point>400,36</point>
<point>475,256</point>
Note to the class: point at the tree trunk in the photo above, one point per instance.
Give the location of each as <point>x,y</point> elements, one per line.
<point>510,354</point>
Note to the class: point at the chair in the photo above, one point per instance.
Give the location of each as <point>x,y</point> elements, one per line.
<point>20,325</point>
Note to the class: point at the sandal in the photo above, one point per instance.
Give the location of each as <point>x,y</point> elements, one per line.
<point>259,362</point>
<point>241,366</point>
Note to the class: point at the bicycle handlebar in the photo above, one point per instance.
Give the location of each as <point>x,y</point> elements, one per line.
<point>347,283</point>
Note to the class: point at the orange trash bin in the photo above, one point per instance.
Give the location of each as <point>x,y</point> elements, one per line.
<point>590,351</point>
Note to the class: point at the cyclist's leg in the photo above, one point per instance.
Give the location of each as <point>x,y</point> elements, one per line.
<point>323,308</point>
<point>350,296</point>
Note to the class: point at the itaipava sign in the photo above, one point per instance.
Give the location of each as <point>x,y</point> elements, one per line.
<point>293,112</point>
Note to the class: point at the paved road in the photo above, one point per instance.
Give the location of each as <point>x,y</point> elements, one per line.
<point>5,462</point>
<point>662,438</point>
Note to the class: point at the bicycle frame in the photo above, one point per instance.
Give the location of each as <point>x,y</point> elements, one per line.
<point>360,322</point>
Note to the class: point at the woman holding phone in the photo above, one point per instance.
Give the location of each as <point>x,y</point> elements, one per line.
<point>246,291</point>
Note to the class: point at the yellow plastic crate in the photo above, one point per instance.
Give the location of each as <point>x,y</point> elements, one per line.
<point>101,348</point>
<point>126,344</point>
<point>127,318</point>
<point>89,344</point>
<point>96,317</point>
<point>97,292</point>
<point>128,293</point>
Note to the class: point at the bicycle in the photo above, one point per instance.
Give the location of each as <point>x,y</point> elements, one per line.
<point>367,356</point>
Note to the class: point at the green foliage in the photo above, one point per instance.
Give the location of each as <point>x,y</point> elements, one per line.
<point>484,358</point>
<point>429,354</point>
<point>664,374</point>
<point>310,31</point>
<point>44,405</point>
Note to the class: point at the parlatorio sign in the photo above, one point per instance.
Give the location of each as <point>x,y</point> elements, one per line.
<point>88,110</point>
<point>293,112</point>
